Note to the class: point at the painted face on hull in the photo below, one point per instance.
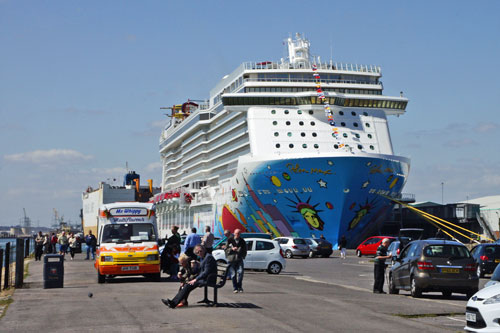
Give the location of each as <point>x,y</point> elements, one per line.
<point>309,213</point>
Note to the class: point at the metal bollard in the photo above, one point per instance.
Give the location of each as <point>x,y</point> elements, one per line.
<point>1,267</point>
<point>19,262</point>
<point>7,266</point>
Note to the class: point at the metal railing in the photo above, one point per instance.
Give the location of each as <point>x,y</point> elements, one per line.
<point>339,66</point>
<point>311,81</point>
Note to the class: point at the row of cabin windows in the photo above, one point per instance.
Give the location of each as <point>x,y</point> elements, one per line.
<point>340,101</point>
<point>314,134</point>
<point>316,146</point>
<point>341,113</point>
<point>324,77</point>
<point>301,123</point>
<point>300,89</point>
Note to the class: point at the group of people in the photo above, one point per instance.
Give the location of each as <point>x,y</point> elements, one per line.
<point>45,243</point>
<point>192,273</point>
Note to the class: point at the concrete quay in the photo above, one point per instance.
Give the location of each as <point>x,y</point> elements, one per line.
<point>321,295</point>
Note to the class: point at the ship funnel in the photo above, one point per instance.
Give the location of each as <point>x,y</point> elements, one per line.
<point>298,51</point>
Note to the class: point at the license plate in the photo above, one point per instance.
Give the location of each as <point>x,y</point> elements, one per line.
<point>130,268</point>
<point>450,270</point>
<point>470,316</point>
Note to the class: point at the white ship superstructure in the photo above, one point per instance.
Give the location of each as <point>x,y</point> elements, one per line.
<point>269,114</point>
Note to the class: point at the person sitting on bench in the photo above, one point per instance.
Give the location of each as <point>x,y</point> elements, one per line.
<point>207,276</point>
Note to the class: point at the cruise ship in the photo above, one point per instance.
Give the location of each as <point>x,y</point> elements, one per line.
<point>295,147</point>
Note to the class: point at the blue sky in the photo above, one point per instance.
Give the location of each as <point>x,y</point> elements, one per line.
<point>82,84</point>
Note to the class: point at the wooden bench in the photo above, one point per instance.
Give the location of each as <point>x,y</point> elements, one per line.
<point>222,270</point>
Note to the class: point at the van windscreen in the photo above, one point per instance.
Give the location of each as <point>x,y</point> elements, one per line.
<point>128,232</point>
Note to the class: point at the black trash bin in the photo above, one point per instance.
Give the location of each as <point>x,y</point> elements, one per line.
<point>53,271</point>
<point>78,248</point>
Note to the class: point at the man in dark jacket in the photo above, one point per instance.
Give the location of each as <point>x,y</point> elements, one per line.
<point>379,267</point>
<point>236,251</point>
<point>207,276</point>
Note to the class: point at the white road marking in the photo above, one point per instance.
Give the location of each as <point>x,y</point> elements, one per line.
<point>461,320</point>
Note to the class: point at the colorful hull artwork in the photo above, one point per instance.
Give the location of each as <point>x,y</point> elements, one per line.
<point>311,197</point>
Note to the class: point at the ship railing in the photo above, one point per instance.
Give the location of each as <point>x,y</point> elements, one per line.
<point>339,66</point>
<point>311,81</point>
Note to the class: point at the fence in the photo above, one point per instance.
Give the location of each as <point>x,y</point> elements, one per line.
<point>12,262</point>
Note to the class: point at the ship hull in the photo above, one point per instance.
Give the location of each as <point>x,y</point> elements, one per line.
<point>310,197</point>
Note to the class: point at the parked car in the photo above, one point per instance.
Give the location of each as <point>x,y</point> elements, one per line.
<point>370,245</point>
<point>481,313</point>
<point>495,277</point>
<point>293,246</point>
<point>319,247</point>
<point>219,242</point>
<point>487,257</point>
<point>262,254</point>
<point>434,265</point>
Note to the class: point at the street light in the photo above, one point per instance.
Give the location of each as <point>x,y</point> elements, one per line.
<point>442,193</point>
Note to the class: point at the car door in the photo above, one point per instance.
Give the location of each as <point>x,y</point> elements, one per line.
<point>406,262</point>
<point>249,261</point>
<point>263,251</point>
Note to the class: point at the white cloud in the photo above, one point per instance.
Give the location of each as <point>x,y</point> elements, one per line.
<point>48,156</point>
<point>155,166</point>
<point>487,127</point>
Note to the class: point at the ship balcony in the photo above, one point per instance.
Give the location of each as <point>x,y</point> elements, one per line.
<point>336,66</point>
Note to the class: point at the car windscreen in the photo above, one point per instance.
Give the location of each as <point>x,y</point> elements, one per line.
<point>128,232</point>
<point>299,241</point>
<point>446,251</point>
<point>492,251</point>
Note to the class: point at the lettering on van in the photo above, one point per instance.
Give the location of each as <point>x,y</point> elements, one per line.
<point>127,219</point>
<point>128,211</point>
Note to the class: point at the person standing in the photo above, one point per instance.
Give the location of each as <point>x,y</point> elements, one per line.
<point>236,251</point>
<point>63,243</point>
<point>91,242</point>
<point>39,246</point>
<point>342,246</point>
<point>208,240</point>
<point>192,240</point>
<point>53,242</point>
<point>379,267</point>
<point>72,241</point>
<point>207,276</point>
<point>174,241</point>
<point>46,244</point>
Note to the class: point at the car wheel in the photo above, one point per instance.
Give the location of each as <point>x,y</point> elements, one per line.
<point>288,254</point>
<point>446,294</point>
<point>392,286</point>
<point>155,277</point>
<point>100,278</point>
<point>358,253</point>
<point>274,268</point>
<point>479,271</point>
<point>415,291</point>
<point>471,293</point>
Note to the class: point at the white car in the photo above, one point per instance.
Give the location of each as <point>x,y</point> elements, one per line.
<point>483,310</point>
<point>261,254</point>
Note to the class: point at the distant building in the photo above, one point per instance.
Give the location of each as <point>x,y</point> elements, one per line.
<point>490,212</point>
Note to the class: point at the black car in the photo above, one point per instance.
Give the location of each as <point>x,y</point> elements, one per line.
<point>319,247</point>
<point>487,257</point>
<point>434,265</point>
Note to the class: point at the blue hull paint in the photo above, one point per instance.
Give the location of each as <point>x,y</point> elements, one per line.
<point>310,197</point>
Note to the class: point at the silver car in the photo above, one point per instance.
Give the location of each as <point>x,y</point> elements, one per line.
<point>294,246</point>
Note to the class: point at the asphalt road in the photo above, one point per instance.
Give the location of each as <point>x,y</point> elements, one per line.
<point>320,295</point>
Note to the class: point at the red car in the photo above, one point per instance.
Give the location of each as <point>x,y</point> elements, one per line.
<point>370,245</point>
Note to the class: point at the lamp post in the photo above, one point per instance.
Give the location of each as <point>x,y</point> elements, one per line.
<point>442,193</point>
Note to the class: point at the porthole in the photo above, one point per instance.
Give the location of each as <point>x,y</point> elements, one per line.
<point>372,148</point>
<point>288,123</point>
<point>367,124</point>
<point>360,147</point>
<point>301,123</point>
<point>276,134</point>
<point>299,111</point>
<point>365,113</point>
<point>290,145</point>
<point>333,134</point>
<point>275,123</point>
<point>356,135</point>
<point>311,112</point>
<point>342,124</point>
<point>287,112</point>
<point>344,135</point>
<point>314,134</point>
<point>355,124</point>
<point>353,113</point>
<point>316,145</point>
<point>341,113</point>
<point>289,133</point>
<point>313,123</point>
<point>273,111</point>
<point>302,134</point>
<point>369,136</point>
<point>304,145</point>
<point>278,145</point>
<point>336,146</point>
